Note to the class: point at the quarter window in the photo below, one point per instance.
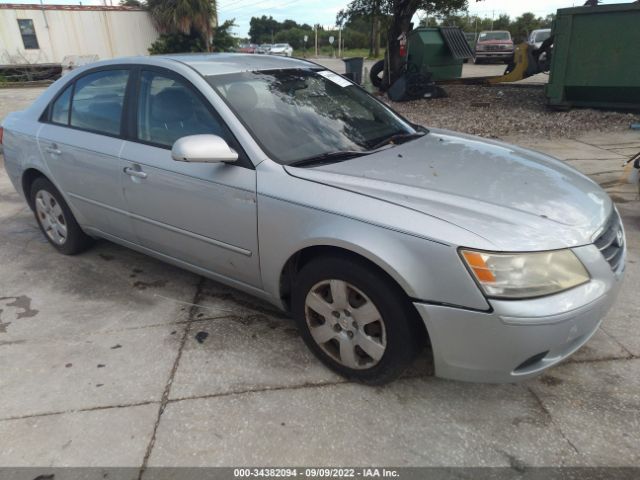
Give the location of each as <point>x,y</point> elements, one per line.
<point>98,100</point>
<point>28,33</point>
<point>60,109</point>
<point>168,109</point>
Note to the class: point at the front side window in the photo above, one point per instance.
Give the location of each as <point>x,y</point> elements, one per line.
<point>98,100</point>
<point>168,110</point>
<point>299,114</point>
<point>542,36</point>
<point>28,33</point>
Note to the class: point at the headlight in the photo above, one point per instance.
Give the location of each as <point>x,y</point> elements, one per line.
<point>525,275</point>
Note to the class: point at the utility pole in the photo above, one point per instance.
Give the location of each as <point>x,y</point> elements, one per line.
<point>316,29</point>
<point>339,41</point>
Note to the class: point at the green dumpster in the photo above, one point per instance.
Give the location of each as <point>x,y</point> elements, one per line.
<point>596,57</point>
<point>437,51</point>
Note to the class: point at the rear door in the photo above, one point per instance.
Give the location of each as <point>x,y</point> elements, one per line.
<point>80,142</point>
<point>202,214</point>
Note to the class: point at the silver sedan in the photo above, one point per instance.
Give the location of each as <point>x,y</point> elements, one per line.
<point>287,181</point>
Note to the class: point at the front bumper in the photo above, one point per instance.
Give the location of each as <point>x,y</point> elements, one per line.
<point>520,338</point>
<point>496,54</point>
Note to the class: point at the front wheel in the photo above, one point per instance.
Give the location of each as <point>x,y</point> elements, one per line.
<point>355,320</point>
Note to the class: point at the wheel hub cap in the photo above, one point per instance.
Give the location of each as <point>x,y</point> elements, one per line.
<point>51,217</point>
<point>346,324</point>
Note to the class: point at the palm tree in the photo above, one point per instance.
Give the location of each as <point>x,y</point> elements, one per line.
<point>185,16</point>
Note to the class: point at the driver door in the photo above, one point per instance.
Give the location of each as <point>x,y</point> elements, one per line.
<point>201,214</point>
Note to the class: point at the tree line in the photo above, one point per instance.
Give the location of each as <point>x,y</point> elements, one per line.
<point>362,31</point>
<point>269,30</point>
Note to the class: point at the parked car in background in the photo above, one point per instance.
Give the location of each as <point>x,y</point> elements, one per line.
<point>290,182</point>
<point>494,45</point>
<point>264,48</point>
<point>248,48</point>
<point>283,49</point>
<point>537,37</point>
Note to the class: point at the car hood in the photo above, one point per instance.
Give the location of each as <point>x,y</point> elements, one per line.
<point>514,198</point>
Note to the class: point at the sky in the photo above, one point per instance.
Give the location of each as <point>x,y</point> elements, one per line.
<point>324,12</point>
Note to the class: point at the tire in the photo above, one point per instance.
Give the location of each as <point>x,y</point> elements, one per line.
<point>377,315</point>
<point>55,219</point>
<point>374,74</point>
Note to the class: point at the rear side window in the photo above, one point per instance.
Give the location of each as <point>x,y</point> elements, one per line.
<point>60,109</point>
<point>168,109</point>
<point>98,100</point>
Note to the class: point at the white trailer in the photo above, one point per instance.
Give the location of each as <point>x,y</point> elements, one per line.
<point>34,34</point>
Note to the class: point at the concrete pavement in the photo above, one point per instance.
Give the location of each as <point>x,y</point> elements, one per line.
<point>112,358</point>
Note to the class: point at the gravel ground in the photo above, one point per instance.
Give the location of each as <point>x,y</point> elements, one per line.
<point>496,112</point>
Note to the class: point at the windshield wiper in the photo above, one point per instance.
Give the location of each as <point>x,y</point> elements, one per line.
<point>398,138</point>
<point>330,157</point>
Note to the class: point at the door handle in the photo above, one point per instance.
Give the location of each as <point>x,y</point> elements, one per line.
<point>135,173</point>
<point>53,148</point>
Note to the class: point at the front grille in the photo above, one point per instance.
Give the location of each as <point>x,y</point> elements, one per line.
<point>611,241</point>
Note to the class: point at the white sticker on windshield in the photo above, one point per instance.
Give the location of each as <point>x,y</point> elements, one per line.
<point>335,78</point>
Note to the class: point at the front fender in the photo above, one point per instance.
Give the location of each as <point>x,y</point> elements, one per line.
<point>427,270</point>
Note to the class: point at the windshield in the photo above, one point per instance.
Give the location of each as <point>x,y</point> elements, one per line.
<point>494,36</point>
<point>298,114</point>
<point>542,36</point>
<point>280,45</point>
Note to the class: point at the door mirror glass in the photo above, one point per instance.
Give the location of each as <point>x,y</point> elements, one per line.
<point>203,148</point>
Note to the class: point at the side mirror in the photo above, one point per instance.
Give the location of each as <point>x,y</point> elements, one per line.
<point>203,149</point>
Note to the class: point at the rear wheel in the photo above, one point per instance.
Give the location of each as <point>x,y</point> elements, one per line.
<point>56,220</point>
<point>356,321</point>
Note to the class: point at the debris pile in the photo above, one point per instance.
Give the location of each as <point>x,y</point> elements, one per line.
<point>509,111</point>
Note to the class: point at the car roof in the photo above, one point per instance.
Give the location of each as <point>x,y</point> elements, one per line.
<point>209,64</point>
<point>222,63</point>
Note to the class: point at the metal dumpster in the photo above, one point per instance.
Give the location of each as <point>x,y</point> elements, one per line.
<point>437,51</point>
<point>596,57</point>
